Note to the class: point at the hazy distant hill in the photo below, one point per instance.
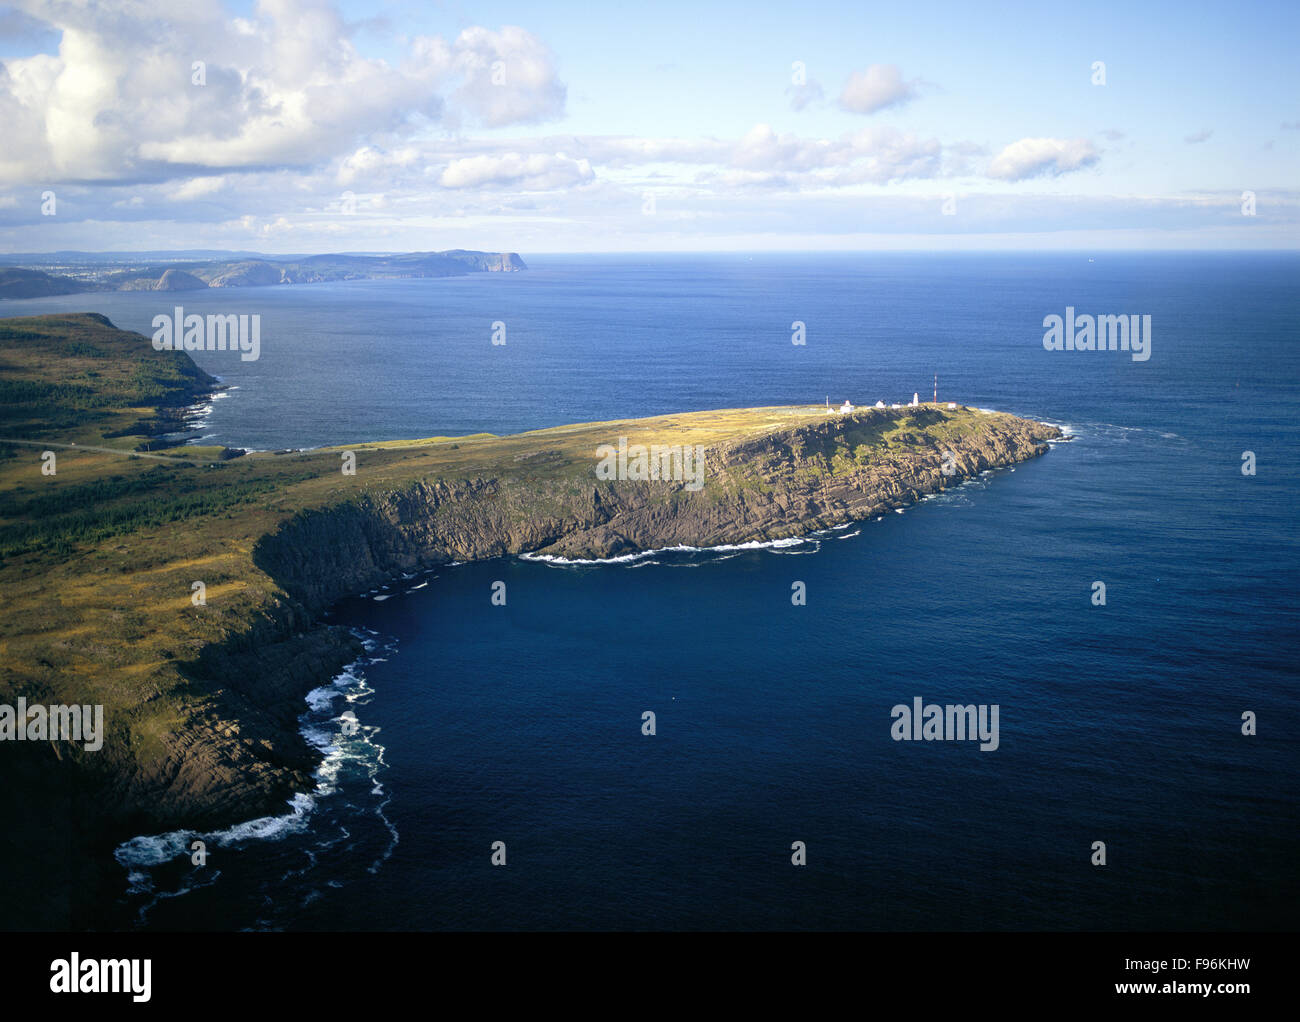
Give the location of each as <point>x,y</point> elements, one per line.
<point>240,271</point>
<point>19,283</point>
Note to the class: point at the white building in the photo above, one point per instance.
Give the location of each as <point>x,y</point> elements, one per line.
<point>846,407</point>
<point>916,400</point>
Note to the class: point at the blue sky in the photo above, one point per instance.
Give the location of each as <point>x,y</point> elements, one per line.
<point>675,126</point>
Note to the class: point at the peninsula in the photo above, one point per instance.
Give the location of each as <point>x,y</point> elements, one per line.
<point>100,557</point>
<point>72,273</point>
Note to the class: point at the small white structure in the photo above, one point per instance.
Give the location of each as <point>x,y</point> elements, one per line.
<point>846,407</point>
<point>880,404</point>
<point>916,400</point>
<point>952,404</point>
<point>895,406</point>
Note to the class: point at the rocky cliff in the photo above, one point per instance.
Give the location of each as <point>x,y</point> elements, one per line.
<point>785,483</point>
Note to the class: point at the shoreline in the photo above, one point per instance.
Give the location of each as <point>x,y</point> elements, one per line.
<point>152,850</point>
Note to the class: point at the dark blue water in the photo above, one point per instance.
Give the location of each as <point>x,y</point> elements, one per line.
<point>522,723</point>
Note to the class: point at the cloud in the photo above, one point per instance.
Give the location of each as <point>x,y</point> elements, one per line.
<point>871,155</point>
<point>538,172</point>
<point>1199,136</point>
<point>878,87</point>
<point>1040,157</point>
<point>509,77</point>
<point>624,151</point>
<point>801,95</point>
<point>762,149</point>
<point>196,188</point>
<point>1113,135</point>
<point>882,155</point>
<point>121,102</point>
<point>369,161</point>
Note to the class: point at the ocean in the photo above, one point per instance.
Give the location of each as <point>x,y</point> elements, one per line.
<point>469,724</point>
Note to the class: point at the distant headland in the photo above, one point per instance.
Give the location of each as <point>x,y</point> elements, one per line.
<point>65,273</point>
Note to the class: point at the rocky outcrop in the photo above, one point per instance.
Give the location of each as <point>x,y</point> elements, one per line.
<point>179,280</point>
<point>251,274</point>
<point>489,262</point>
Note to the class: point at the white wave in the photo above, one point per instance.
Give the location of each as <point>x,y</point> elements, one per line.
<point>1067,430</point>
<point>770,544</point>
<point>154,850</point>
<point>381,599</point>
<point>341,739</point>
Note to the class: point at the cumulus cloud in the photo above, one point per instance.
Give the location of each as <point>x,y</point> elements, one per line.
<point>1042,157</point>
<point>878,87</point>
<point>509,77</point>
<point>122,100</point>
<point>370,161</point>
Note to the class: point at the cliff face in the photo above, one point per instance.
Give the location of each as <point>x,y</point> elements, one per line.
<point>783,484</point>
<point>179,280</point>
<point>251,274</point>
<point>498,262</point>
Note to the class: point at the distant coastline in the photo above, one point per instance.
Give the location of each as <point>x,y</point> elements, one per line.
<point>43,277</point>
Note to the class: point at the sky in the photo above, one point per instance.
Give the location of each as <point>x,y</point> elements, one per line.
<point>294,126</point>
